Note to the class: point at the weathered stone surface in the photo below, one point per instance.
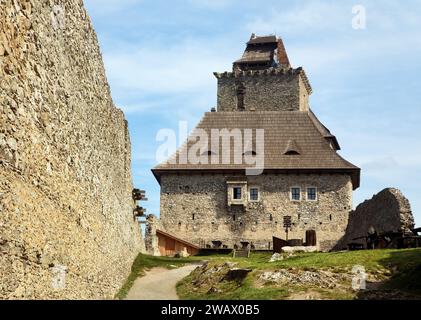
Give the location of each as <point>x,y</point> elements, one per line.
<point>299,249</point>
<point>66,228</point>
<point>151,238</point>
<point>201,215</point>
<point>275,90</point>
<point>387,211</point>
<point>237,274</point>
<point>321,279</point>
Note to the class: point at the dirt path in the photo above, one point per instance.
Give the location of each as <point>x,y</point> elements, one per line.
<point>159,284</point>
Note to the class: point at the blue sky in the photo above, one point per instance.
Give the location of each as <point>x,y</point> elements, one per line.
<point>160,56</point>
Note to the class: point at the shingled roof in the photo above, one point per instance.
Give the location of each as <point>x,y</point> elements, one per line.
<point>282,130</point>
<point>264,39</point>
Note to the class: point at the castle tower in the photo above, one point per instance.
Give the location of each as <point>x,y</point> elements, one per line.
<point>216,202</point>
<point>263,80</point>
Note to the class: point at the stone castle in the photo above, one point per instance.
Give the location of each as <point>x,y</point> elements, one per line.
<point>67,228</point>
<point>218,203</point>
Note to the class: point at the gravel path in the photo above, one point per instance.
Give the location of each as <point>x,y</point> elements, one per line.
<point>159,284</point>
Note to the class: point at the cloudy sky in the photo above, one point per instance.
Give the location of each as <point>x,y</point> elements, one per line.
<point>160,55</point>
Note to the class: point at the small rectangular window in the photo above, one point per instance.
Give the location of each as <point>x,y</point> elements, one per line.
<point>296,194</point>
<point>254,194</point>
<point>237,193</point>
<point>312,194</point>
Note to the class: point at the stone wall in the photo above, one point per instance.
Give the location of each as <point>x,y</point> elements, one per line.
<point>194,207</point>
<point>387,211</point>
<point>67,228</point>
<point>151,238</point>
<point>281,91</point>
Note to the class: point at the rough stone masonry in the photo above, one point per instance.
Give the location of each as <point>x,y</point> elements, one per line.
<point>387,211</point>
<point>217,204</point>
<point>66,228</point>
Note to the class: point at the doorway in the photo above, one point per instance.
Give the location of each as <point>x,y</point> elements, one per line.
<point>311,240</point>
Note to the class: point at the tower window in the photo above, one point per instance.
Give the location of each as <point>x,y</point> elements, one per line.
<point>295,194</point>
<point>237,193</point>
<point>312,194</point>
<point>241,91</point>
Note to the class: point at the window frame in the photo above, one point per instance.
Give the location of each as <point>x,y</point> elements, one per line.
<point>291,194</point>
<point>316,194</point>
<point>233,193</point>
<point>258,193</point>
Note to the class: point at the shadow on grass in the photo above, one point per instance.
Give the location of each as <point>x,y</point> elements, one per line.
<point>405,283</point>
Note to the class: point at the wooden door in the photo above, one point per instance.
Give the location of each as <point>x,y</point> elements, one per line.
<point>311,240</point>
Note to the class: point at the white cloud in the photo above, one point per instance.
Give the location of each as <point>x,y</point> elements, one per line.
<point>166,69</point>
<point>310,17</point>
<point>107,7</point>
<point>212,4</point>
<point>390,28</point>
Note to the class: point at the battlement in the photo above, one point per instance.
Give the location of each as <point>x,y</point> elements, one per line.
<point>268,72</point>
<point>273,89</point>
<point>263,80</point>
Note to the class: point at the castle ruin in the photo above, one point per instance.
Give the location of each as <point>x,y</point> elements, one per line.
<point>67,228</point>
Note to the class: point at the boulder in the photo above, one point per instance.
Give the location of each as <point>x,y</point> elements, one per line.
<point>299,249</point>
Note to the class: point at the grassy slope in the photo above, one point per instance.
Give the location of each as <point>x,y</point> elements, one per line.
<point>405,264</point>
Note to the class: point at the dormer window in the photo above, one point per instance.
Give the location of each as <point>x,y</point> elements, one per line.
<point>209,153</point>
<point>292,153</point>
<point>250,153</point>
<point>292,148</point>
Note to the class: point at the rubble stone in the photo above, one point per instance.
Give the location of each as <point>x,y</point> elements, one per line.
<point>63,234</point>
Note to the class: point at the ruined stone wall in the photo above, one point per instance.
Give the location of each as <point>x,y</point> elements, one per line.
<point>205,197</point>
<point>151,238</point>
<point>263,92</point>
<point>387,211</point>
<point>66,225</point>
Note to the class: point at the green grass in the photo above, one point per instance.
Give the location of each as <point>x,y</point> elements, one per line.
<point>145,262</point>
<point>405,265</point>
<point>372,260</point>
<point>232,291</point>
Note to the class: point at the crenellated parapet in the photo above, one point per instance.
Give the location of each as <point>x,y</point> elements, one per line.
<point>273,71</point>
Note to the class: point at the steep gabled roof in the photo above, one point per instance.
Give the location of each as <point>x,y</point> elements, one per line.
<point>302,127</point>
